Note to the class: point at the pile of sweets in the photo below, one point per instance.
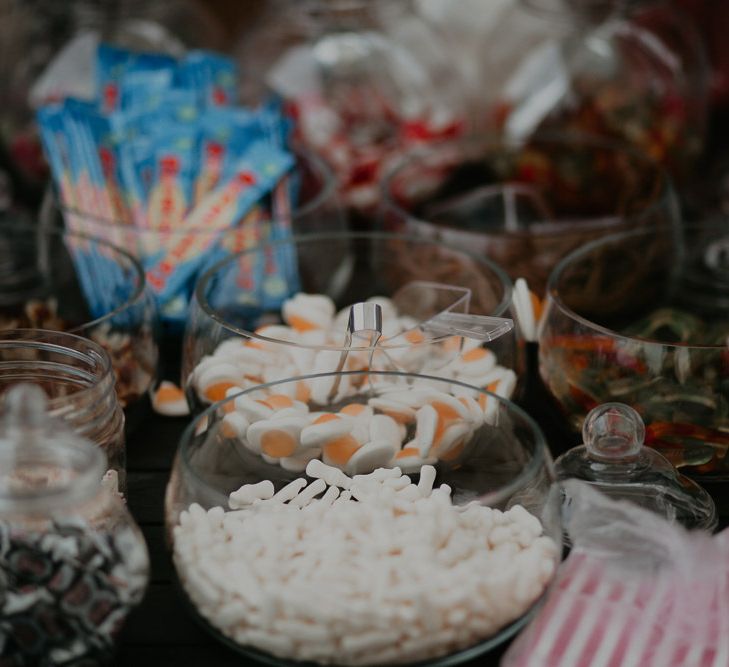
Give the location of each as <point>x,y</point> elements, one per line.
<point>69,584</point>
<point>163,154</point>
<point>373,569</point>
<point>281,351</point>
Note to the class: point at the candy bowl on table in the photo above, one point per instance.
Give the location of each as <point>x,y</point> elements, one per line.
<point>525,204</point>
<point>642,318</point>
<point>281,309</point>
<point>403,519</point>
<point>172,256</point>
<point>66,281</point>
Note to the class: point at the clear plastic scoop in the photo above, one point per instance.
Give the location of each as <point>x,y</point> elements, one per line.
<point>442,310</point>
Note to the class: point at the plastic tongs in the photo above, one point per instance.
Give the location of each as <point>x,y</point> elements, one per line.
<point>440,311</point>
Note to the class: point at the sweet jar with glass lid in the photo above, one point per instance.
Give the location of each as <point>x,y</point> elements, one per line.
<point>72,561</point>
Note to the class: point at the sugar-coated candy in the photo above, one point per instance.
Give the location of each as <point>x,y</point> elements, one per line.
<point>353,576</point>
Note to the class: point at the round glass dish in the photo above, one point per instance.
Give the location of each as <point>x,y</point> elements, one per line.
<point>241,296</point>
<point>504,461</point>
<point>525,204</point>
<point>64,281</point>
<point>317,209</point>
<point>642,318</point>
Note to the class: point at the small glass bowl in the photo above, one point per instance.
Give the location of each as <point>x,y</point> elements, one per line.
<point>504,462</point>
<point>642,318</point>
<point>64,281</point>
<point>245,292</point>
<point>318,209</point>
<point>525,205</point>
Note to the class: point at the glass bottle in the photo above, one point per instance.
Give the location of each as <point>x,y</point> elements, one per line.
<point>77,376</point>
<point>72,561</point>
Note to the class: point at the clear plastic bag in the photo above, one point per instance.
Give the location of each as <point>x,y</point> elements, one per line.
<point>635,591</point>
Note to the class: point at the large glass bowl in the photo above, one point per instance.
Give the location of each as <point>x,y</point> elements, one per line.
<point>240,296</point>
<point>525,204</point>
<point>185,252</point>
<point>505,461</point>
<point>643,318</point>
<point>60,280</point>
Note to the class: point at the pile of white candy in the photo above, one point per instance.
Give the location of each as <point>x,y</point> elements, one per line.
<point>290,350</point>
<point>366,570</point>
<point>403,425</point>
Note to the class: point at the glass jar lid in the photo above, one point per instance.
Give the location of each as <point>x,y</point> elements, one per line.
<point>615,460</point>
<point>43,462</point>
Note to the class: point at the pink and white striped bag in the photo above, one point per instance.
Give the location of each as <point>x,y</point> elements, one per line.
<point>635,591</point>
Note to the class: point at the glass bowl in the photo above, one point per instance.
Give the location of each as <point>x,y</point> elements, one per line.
<point>65,281</point>
<point>525,204</point>
<point>642,318</point>
<point>173,258</point>
<point>243,295</point>
<point>502,461</point>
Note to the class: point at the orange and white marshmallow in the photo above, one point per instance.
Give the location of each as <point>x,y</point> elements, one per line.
<point>309,342</point>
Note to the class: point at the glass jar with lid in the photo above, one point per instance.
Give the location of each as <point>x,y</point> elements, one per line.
<point>77,376</point>
<point>363,79</point>
<point>633,70</point>
<point>72,561</point>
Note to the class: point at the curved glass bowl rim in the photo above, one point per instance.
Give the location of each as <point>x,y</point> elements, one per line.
<point>53,341</point>
<point>449,660</point>
<point>528,472</point>
<point>328,190</point>
<point>55,230</point>
<point>666,196</point>
<point>202,282</point>
<point>553,292</point>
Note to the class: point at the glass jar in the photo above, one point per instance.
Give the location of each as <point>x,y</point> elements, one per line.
<point>364,79</point>
<point>72,561</point>
<point>614,460</point>
<point>241,306</point>
<point>634,70</point>
<point>499,460</point>
<point>643,318</point>
<point>66,281</point>
<point>526,204</point>
<point>77,376</point>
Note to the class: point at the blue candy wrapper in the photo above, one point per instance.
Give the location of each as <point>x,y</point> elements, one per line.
<point>213,76</point>
<point>257,174</point>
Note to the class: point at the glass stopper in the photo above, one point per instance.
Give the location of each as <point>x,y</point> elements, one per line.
<point>613,431</point>
<point>25,407</point>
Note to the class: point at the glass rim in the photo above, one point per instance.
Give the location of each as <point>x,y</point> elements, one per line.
<point>203,281</point>
<point>326,192</point>
<point>665,197</point>
<point>579,253</point>
<point>70,345</point>
<point>139,291</point>
<point>538,459</point>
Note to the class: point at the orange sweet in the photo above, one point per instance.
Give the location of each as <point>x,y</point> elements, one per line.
<point>216,391</point>
<point>341,449</point>
<point>277,443</point>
